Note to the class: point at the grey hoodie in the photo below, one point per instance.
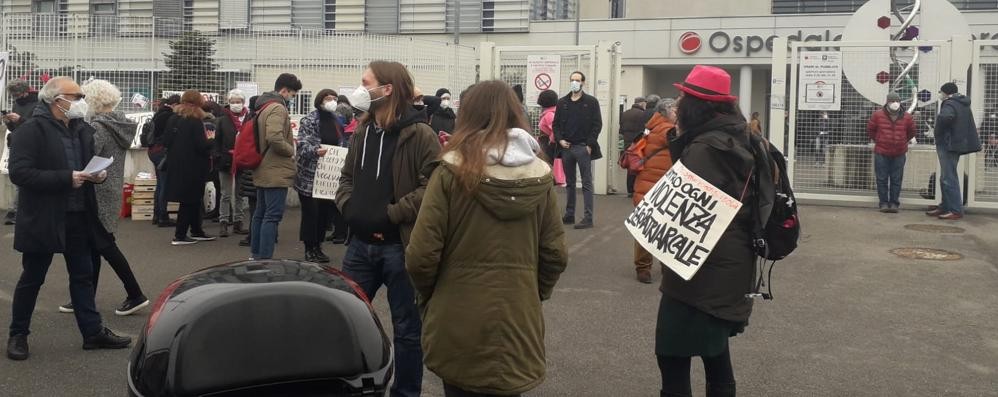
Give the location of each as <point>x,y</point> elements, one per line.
<point>113,138</point>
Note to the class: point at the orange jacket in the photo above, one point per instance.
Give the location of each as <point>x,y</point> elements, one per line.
<point>659,164</point>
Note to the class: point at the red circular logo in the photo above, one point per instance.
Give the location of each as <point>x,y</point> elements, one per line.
<point>690,42</point>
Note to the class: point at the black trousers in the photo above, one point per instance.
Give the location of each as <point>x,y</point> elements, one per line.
<point>676,375</point>
<point>112,254</point>
<point>630,182</point>
<point>315,217</point>
<point>189,218</point>
<point>79,265</point>
<point>453,391</point>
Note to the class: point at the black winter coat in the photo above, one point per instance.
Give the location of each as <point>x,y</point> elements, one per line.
<point>594,121</point>
<point>188,159</point>
<point>225,140</point>
<point>443,120</point>
<point>632,124</point>
<point>39,168</point>
<point>719,152</point>
<point>955,127</point>
<point>24,107</point>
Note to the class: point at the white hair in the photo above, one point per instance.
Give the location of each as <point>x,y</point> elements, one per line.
<point>51,89</point>
<point>101,95</point>
<point>235,94</point>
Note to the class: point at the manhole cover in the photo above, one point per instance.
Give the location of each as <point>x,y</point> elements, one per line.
<point>931,254</point>
<point>919,227</point>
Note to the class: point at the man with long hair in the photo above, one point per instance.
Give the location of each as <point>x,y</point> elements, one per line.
<point>384,176</point>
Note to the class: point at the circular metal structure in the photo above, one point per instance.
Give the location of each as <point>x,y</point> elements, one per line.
<point>931,254</point>
<point>921,227</point>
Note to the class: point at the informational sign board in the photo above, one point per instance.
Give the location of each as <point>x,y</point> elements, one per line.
<point>141,119</point>
<point>5,158</point>
<point>140,100</point>
<point>249,88</point>
<point>820,82</point>
<point>543,73</point>
<point>327,172</point>
<point>681,219</point>
<point>208,96</point>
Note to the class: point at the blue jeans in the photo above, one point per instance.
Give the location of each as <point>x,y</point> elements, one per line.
<point>266,218</point>
<point>950,181</point>
<point>577,155</point>
<point>374,265</point>
<point>79,265</point>
<point>890,171</point>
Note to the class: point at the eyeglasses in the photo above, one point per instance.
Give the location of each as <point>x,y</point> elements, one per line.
<point>75,96</point>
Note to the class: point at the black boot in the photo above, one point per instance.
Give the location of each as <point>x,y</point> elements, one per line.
<point>17,347</point>
<point>223,229</point>
<point>105,339</point>
<point>310,255</point>
<point>320,257</point>
<point>721,389</point>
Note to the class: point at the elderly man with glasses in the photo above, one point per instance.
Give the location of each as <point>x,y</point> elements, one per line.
<point>58,212</point>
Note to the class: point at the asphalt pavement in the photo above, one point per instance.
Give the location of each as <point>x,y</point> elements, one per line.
<point>849,318</point>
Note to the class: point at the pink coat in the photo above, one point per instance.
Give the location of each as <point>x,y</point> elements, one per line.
<point>547,122</point>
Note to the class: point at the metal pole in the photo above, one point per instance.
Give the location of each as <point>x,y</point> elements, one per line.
<point>76,49</point>
<point>578,22</point>
<point>457,21</point>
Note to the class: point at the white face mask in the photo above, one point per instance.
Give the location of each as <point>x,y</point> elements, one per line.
<point>329,106</point>
<point>236,107</point>
<point>576,86</point>
<point>77,109</point>
<point>894,106</point>
<point>445,103</point>
<point>360,98</point>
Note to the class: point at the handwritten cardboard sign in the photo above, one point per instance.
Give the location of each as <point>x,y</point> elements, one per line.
<point>681,219</point>
<point>327,172</point>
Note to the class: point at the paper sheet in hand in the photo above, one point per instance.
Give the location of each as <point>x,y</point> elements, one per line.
<point>681,219</point>
<point>98,164</point>
<point>327,172</point>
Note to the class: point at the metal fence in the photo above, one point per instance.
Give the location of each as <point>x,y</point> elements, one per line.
<point>512,66</point>
<point>145,56</point>
<point>984,84</point>
<point>831,156</point>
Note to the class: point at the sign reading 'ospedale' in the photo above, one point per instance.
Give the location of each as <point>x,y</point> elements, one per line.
<point>723,42</point>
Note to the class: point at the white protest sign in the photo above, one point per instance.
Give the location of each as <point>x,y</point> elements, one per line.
<point>681,219</point>
<point>249,88</point>
<point>4,60</point>
<point>543,73</point>
<point>208,96</point>
<point>327,172</point>
<point>5,158</point>
<point>295,123</point>
<point>140,119</point>
<point>820,83</point>
<point>140,100</point>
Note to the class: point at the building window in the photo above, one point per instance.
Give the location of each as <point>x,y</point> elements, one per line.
<point>836,6</point>
<point>617,8</point>
<point>103,17</point>
<point>382,16</point>
<point>48,17</point>
<point>233,14</point>
<point>544,10</point>
<point>188,15</point>
<point>329,14</point>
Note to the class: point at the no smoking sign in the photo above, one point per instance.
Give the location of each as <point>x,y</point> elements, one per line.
<point>543,81</point>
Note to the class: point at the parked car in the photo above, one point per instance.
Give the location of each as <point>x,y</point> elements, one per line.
<point>262,328</point>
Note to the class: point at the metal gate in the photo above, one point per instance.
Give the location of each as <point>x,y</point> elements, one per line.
<point>984,101</point>
<point>830,156</point>
<point>601,65</point>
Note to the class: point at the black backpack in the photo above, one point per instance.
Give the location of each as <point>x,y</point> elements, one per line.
<point>145,138</point>
<point>779,236</point>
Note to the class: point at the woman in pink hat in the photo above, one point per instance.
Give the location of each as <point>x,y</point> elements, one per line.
<point>697,317</point>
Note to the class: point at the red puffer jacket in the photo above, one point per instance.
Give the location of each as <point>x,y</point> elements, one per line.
<point>889,136</point>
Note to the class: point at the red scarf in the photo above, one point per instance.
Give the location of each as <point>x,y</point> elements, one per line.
<point>236,118</point>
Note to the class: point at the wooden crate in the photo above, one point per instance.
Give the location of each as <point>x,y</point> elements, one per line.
<point>142,201</point>
<point>145,182</point>
<point>141,217</point>
<point>172,207</point>
<point>144,188</point>
<point>143,195</point>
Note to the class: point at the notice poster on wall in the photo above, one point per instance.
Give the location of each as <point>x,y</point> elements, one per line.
<point>681,219</point>
<point>327,172</point>
<point>543,73</point>
<point>249,88</point>
<point>820,84</point>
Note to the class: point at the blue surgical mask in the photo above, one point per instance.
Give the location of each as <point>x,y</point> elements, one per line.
<point>576,86</point>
